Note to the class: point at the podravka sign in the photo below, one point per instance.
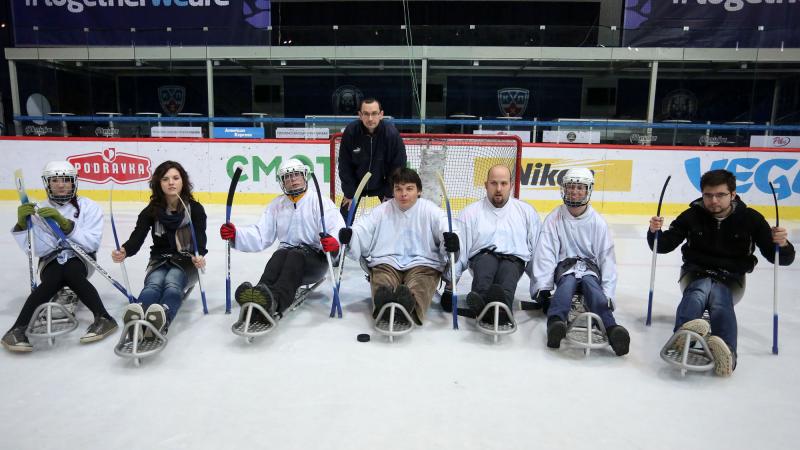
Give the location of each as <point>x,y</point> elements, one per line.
<point>100,167</point>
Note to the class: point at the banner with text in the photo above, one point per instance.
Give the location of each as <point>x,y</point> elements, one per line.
<point>711,23</point>
<point>141,22</point>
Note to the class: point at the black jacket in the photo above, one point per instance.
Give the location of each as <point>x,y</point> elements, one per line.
<point>380,153</point>
<point>728,245</point>
<point>162,247</point>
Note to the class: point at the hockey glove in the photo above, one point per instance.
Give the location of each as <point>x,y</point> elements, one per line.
<point>447,300</point>
<point>23,212</point>
<point>345,234</point>
<point>329,244</point>
<point>227,231</point>
<point>451,243</point>
<point>52,213</point>
<point>542,301</point>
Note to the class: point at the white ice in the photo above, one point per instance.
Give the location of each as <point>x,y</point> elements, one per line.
<point>310,384</point>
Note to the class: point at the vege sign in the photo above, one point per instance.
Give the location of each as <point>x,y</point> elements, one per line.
<point>782,172</point>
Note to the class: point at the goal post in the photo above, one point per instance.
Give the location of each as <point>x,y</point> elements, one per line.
<point>462,159</point>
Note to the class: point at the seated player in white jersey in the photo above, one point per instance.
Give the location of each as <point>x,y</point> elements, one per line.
<point>81,220</point>
<point>405,242</point>
<point>575,250</point>
<point>292,219</point>
<point>499,237</point>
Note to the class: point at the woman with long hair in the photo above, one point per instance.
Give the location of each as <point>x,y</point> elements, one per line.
<point>172,266</point>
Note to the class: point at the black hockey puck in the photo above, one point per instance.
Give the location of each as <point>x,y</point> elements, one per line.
<point>363,337</point>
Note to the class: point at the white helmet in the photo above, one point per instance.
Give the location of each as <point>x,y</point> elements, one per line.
<point>581,176</point>
<point>289,167</point>
<point>60,169</point>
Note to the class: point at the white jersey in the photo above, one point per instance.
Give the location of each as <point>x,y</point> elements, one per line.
<point>291,224</point>
<point>401,239</point>
<point>564,236</point>
<point>510,230</point>
<point>87,232</point>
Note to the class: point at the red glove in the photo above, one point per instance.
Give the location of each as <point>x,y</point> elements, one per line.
<point>227,231</point>
<point>329,243</point>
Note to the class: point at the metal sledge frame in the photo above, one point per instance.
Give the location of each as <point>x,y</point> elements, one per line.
<point>137,346</point>
<point>134,345</point>
<point>688,358</point>
<point>585,329</point>
<point>51,328</point>
<point>250,330</point>
<point>390,327</point>
<point>495,329</point>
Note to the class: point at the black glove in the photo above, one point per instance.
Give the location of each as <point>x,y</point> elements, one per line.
<point>451,244</point>
<point>447,300</point>
<point>345,234</point>
<point>542,301</point>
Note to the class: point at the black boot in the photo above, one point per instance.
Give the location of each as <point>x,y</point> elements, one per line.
<point>496,293</point>
<point>475,302</point>
<point>383,295</point>
<point>556,331</point>
<point>404,297</point>
<point>619,339</point>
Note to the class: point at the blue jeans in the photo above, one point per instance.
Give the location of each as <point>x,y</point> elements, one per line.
<point>164,285</point>
<point>593,297</point>
<point>708,294</point>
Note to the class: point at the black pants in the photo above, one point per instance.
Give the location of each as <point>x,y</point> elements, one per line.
<point>489,269</point>
<point>54,277</point>
<point>290,268</point>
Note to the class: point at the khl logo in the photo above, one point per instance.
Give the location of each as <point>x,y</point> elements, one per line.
<point>782,172</point>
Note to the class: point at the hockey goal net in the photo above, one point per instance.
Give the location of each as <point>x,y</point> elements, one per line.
<point>463,161</point>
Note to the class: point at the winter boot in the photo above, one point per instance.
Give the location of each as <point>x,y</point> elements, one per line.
<point>102,327</point>
<point>496,293</point>
<point>475,302</point>
<point>404,297</point>
<point>15,340</point>
<point>383,295</point>
<point>724,359</point>
<point>619,339</point>
<point>556,331</point>
<point>699,326</point>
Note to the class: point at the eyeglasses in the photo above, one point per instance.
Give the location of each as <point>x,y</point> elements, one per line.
<point>718,195</point>
<point>370,114</point>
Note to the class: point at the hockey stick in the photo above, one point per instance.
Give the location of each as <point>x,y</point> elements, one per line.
<point>655,256</point>
<point>337,306</point>
<point>88,259</point>
<point>116,242</point>
<point>351,216</point>
<point>452,255</point>
<point>23,197</point>
<point>228,204</point>
<point>775,279</point>
<point>196,254</point>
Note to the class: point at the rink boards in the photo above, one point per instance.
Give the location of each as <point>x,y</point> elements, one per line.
<point>628,178</point>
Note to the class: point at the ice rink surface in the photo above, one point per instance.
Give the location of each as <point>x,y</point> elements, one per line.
<point>311,385</point>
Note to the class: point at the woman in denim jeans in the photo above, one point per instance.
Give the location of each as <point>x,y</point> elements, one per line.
<point>172,267</point>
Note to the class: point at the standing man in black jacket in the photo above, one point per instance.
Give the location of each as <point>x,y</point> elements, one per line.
<point>369,145</point>
<point>721,234</point>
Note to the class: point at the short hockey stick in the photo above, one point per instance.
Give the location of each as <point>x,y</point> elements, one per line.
<point>655,256</point>
<point>23,197</point>
<point>336,306</point>
<point>196,254</point>
<point>116,242</point>
<point>452,255</point>
<point>351,215</point>
<point>775,279</point>
<point>228,204</point>
<point>85,256</point>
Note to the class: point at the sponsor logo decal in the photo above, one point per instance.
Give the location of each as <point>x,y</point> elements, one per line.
<point>122,168</point>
